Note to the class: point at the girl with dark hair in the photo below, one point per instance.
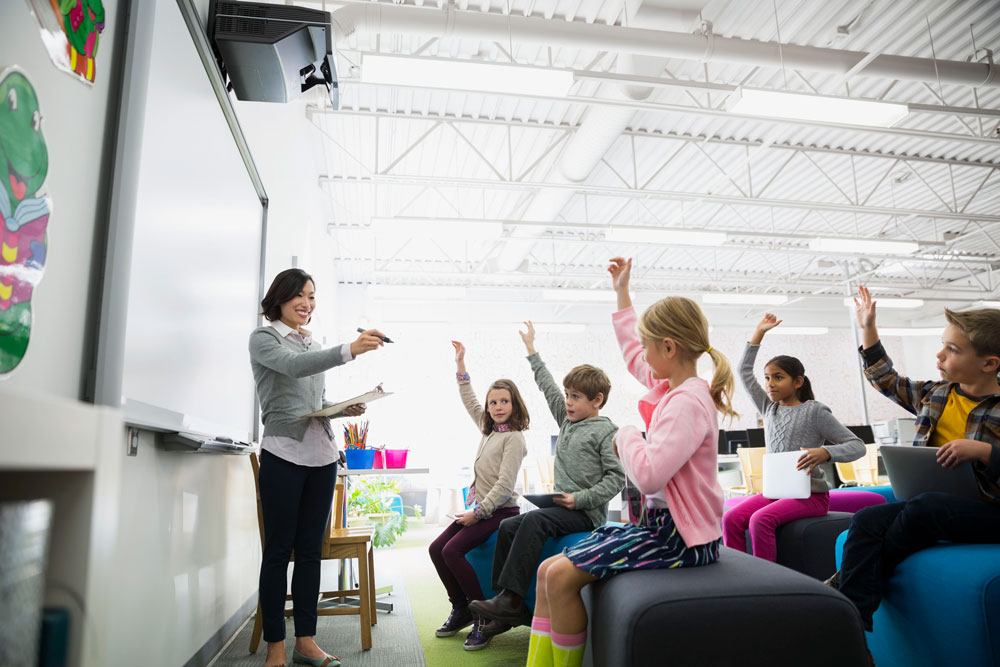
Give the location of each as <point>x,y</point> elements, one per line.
<point>793,420</point>
<point>491,495</point>
<point>298,459</point>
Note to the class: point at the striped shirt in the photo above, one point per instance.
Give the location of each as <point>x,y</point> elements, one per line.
<point>927,400</point>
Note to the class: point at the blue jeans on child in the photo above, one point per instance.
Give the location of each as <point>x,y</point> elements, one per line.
<point>882,536</point>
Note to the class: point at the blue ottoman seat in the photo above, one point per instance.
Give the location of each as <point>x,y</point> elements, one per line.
<point>481,559</point>
<point>942,608</point>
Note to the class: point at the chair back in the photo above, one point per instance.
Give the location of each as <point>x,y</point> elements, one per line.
<point>546,471</point>
<point>752,465</point>
<point>845,471</point>
<point>866,468</point>
<point>255,464</point>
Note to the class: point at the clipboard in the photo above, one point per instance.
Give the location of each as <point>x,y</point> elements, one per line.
<point>367,397</point>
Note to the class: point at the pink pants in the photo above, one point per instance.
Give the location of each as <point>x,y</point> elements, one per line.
<point>763,516</point>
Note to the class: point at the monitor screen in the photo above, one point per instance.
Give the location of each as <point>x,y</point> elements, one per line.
<point>755,436</point>
<point>864,432</point>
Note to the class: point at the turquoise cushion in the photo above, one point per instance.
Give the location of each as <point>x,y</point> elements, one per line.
<point>942,608</point>
<point>481,559</point>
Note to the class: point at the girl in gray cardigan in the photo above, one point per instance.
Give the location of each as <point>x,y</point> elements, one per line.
<point>793,421</point>
<point>298,459</point>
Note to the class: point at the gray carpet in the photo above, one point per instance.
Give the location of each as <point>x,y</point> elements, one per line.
<point>394,638</point>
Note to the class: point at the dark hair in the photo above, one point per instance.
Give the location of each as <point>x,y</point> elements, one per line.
<point>982,327</point>
<point>589,381</point>
<point>285,287</point>
<point>519,413</point>
<point>795,369</point>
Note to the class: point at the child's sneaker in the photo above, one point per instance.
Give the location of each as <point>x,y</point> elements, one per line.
<point>458,619</point>
<point>477,641</point>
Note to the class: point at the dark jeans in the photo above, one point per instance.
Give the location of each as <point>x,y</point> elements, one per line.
<point>521,540</point>
<point>882,536</point>
<point>448,555</point>
<point>296,502</point>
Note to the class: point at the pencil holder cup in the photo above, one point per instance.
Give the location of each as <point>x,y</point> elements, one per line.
<point>359,459</point>
<point>379,459</point>
<point>395,458</point>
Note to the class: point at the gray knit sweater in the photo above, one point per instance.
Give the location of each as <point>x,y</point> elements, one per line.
<point>789,427</point>
<point>585,464</point>
<point>289,380</point>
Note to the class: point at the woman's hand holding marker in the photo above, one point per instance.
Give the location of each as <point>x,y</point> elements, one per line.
<point>368,340</point>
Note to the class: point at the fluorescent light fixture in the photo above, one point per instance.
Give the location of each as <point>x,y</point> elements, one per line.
<point>890,302</point>
<point>665,236</point>
<point>479,76</point>
<point>416,292</point>
<point>444,229</point>
<point>874,246</point>
<point>823,108</point>
<point>745,299</point>
<point>916,331</point>
<point>799,331</point>
<point>570,294</point>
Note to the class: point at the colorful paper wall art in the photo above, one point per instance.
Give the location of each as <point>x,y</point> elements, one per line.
<point>24,211</point>
<point>71,30</point>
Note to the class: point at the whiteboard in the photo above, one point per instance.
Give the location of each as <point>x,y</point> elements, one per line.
<point>184,244</point>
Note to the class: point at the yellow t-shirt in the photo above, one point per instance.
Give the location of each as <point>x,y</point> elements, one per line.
<point>951,424</point>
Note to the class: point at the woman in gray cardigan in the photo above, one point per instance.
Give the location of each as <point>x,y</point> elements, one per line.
<point>298,462</point>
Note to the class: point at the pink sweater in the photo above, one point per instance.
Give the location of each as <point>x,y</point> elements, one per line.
<point>679,455</point>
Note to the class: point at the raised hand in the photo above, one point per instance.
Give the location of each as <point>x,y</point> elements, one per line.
<point>768,322</point>
<point>528,337</point>
<point>620,270</point>
<point>865,308</point>
<point>459,351</point>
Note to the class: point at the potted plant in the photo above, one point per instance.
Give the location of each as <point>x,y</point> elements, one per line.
<point>371,500</point>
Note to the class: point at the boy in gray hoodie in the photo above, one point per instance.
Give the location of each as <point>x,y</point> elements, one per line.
<point>587,473</point>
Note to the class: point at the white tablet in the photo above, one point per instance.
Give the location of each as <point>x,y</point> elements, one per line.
<point>782,480</point>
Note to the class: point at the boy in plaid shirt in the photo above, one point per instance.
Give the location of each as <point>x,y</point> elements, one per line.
<point>960,414</point>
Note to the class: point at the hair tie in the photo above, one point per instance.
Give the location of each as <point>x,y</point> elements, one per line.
<point>708,349</point>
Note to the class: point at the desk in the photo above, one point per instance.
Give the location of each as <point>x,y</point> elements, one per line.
<point>346,568</point>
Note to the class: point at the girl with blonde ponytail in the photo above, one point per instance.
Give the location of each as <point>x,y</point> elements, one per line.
<point>674,464</point>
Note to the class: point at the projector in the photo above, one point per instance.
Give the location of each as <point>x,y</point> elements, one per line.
<point>272,53</point>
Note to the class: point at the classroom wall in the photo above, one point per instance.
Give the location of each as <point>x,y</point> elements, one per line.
<point>183,547</point>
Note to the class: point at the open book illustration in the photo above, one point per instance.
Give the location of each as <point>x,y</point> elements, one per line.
<point>367,397</point>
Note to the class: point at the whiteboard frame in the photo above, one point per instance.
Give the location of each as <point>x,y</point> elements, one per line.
<point>110,359</point>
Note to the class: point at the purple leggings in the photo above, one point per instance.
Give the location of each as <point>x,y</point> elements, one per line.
<point>763,516</point>
<point>448,555</point>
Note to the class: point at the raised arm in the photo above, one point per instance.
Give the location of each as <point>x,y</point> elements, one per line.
<point>747,377</point>
<point>624,321</point>
<point>553,394</point>
<point>469,399</point>
<point>864,308</point>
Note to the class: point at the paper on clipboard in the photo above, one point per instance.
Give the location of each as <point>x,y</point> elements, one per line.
<point>367,397</point>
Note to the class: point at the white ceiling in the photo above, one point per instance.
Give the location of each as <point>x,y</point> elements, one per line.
<point>683,162</point>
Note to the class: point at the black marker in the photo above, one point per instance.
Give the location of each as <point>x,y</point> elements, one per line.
<point>384,339</point>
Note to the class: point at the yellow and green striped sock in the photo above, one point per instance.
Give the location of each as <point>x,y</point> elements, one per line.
<point>567,650</point>
<point>540,643</point>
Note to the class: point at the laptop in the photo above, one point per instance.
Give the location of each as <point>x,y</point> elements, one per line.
<point>915,470</point>
<point>782,480</point>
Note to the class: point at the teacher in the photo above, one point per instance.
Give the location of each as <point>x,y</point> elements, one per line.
<point>298,461</point>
